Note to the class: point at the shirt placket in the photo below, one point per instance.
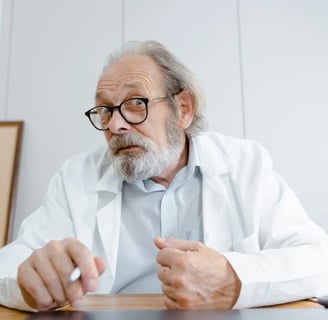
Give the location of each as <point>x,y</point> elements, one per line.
<point>169,217</point>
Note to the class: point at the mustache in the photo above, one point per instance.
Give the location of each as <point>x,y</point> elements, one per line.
<point>125,140</point>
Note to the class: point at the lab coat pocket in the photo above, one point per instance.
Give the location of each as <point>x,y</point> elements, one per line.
<point>249,244</point>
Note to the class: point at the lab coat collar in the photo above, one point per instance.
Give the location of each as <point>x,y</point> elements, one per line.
<point>109,179</point>
<point>213,161</point>
<point>216,169</point>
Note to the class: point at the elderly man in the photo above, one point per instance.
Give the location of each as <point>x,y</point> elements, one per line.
<point>167,207</point>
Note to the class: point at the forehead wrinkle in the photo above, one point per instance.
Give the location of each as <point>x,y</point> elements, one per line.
<point>136,79</point>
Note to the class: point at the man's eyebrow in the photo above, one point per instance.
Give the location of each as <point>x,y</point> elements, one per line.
<point>99,95</point>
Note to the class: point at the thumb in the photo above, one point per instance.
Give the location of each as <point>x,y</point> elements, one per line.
<point>184,245</point>
<point>101,265</point>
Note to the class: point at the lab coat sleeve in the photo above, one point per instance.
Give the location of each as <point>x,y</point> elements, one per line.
<point>10,294</point>
<point>284,255</point>
<point>51,221</point>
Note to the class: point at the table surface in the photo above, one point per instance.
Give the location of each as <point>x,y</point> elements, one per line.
<point>130,302</point>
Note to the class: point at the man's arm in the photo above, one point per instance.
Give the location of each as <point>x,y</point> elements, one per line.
<point>275,276</point>
<point>31,263</point>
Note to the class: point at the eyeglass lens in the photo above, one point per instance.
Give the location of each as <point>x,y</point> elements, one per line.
<point>132,110</point>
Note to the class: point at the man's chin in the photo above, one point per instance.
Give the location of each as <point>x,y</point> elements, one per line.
<point>131,176</point>
<point>126,164</point>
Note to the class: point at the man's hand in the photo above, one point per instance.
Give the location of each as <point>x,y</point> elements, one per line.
<point>195,276</point>
<point>44,277</point>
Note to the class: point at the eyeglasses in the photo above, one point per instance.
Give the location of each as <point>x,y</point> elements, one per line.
<point>133,111</point>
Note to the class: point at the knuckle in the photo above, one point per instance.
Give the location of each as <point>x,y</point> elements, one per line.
<point>182,261</point>
<point>20,271</point>
<point>168,303</point>
<point>183,301</point>
<point>51,279</point>
<point>198,245</point>
<point>52,249</point>
<point>74,292</point>
<point>75,246</point>
<point>36,255</point>
<point>44,305</point>
<point>60,301</point>
<point>41,300</point>
<point>53,245</point>
<point>70,240</point>
<point>178,281</point>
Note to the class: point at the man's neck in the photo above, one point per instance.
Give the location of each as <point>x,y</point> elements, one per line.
<point>166,177</point>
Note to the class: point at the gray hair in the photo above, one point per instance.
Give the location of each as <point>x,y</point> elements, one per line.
<point>177,76</point>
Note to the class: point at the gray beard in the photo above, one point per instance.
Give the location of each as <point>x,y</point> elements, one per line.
<point>150,162</point>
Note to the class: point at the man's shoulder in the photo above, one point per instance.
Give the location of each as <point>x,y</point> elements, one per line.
<point>230,150</point>
<point>227,143</point>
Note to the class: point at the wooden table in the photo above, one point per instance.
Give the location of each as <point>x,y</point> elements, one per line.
<point>130,302</point>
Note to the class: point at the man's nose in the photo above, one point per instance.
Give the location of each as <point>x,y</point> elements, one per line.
<point>117,123</point>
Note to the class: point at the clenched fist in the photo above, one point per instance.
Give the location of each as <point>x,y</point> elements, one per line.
<point>195,276</point>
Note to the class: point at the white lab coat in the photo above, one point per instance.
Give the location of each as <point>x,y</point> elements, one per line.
<point>249,214</point>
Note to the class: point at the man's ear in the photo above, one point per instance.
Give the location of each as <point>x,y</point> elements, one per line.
<point>186,109</point>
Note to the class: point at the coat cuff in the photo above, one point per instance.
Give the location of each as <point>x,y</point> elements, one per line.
<point>254,280</point>
<point>11,295</point>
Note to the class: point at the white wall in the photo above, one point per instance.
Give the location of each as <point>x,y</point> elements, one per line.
<point>205,38</point>
<point>5,28</point>
<point>285,73</point>
<point>1,17</point>
<point>262,64</point>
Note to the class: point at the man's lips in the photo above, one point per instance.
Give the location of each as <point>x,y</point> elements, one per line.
<point>131,148</point>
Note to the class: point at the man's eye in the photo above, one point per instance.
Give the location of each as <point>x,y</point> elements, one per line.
<point>133,103</point>
<point>104,111</point>
<point>138,102</point>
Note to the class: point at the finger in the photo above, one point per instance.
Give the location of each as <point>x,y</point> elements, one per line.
<point>76,286</point>
<point>51,280</point>
<point>168,291</point>
<point>54,266</point>
<point>101,265</point>
<point>184,245</point>
<point>170,303</point>
<point>169,299</point>
<point>179,299</point>
<point>168,256</point>
<point>83,258</point>
<point>33,289</point>
<point>163,274</point>
<point>47,273</point>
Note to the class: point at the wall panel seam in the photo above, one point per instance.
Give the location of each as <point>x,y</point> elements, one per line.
<point>241,70</point>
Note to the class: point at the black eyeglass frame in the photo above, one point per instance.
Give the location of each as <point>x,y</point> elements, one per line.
<point>118,107</point>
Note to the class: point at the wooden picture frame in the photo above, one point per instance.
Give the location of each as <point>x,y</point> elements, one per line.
<point>11,133</point>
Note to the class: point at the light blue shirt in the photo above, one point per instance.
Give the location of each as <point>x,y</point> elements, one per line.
<point>150,210</point>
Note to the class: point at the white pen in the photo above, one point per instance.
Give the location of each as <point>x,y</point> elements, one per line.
<point>76,273</point>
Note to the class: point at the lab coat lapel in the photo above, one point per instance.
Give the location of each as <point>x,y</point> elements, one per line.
<point>217,211</point>
<point>216,208</point>
<point>108,215</point>
<point>108,224</point>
